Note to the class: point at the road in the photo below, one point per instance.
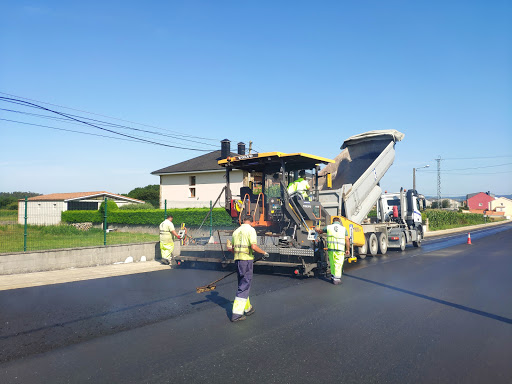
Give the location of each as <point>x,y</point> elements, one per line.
<point>441,313</point>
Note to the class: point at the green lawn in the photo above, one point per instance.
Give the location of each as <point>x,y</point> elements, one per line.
<point>62,236</point>
<point>8,215</point>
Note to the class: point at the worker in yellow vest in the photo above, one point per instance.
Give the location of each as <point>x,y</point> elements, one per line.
<point>244,244</point>
<point>338,245</point>
<point>299,187</point>
<point>167,236</point>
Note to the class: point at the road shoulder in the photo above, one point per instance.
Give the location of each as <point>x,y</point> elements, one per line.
<point>35,279</point>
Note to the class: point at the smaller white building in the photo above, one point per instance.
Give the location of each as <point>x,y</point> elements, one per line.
<point>47,209</point>
<point>501,204</point>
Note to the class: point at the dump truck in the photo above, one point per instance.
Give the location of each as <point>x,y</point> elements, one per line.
<point>355,189</point>
<point>347,187</point>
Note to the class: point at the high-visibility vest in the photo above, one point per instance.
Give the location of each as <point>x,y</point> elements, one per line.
<point>336,237</point>
<point>242,240</point>
<point>300,186</point>
<point>166,228</point>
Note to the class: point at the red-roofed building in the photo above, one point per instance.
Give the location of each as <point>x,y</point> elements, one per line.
<point>479,201</point>
<point>47,209</point>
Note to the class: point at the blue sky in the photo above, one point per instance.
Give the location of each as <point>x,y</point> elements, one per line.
<point>291,76</point>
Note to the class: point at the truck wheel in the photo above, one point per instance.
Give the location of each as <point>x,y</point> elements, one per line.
<point>417,244</point>
<point>373,244</point>
<point>402,242</point>
<point>383,243</point>
<point>362,251</point>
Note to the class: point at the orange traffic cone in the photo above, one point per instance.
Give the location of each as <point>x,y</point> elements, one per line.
<point>469,238</point>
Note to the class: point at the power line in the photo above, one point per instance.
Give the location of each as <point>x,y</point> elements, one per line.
<point>473,158</point>
<point>69,130</point>
<point>465,169</point>
<point>136,140</point>
<point>105,123</point>
<point>479,173</point>
<point>104,129</point>
<point>110,117</point>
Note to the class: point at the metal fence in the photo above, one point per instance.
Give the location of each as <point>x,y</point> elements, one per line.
<point>37,227</point>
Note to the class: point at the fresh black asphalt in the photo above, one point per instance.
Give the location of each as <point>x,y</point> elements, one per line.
<point>441,313</point>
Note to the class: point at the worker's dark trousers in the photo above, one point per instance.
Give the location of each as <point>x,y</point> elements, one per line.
<point>244,273</point>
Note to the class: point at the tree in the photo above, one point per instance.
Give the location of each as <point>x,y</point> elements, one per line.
<point>445,203</point>
<point>9,200</point>
<point>149,194</point>
<point>434,204</point>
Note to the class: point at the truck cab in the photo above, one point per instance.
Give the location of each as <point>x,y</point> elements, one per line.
<point>404,207</point>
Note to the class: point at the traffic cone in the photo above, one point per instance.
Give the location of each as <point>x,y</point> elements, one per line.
<point>469,238</point>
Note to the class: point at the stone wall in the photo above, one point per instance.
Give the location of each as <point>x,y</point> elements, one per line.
<point>37,261</point>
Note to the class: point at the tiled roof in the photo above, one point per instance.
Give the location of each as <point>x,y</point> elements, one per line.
<point>207,162</point>
<point>77,195</point>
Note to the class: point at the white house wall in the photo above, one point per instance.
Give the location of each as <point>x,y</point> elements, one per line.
<point>49,212</point>
<point>175,189</point>
<point>501,204</point>
<point>41,212</point>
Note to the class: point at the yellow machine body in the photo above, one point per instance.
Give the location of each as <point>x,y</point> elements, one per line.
<point>358,238</point>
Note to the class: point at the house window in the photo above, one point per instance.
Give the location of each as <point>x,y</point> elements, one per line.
<point>192,192</point>
<point>192,181</point>
<point>479,204</point>
<point>82,206</point>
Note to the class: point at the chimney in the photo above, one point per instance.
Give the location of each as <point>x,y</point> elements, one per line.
<point>241,148</point>
<point>225,148</point>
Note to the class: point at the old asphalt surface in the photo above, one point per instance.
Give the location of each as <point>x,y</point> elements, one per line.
<point>441,313</point>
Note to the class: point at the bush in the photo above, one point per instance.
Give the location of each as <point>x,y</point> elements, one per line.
<point>82,217</point>
<point>192,217</point>
<point>440,219</point>
<point>111,206</point>
<point>132,207</point>
<point>12,206</point>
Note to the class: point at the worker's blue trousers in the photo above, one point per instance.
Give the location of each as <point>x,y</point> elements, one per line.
<point>244,273</point>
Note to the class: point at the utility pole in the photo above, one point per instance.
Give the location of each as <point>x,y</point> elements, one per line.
<point>414,175</point>
<point>438,182</point>
<point>250,147</point>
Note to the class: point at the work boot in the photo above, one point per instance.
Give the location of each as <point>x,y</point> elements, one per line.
<point>336,281</point>
<point>164,261</point>
<point>239,318</point>
<point>249,312</point>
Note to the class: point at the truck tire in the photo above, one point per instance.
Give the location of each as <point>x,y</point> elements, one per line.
<point>402,241</point>
<point>362,250</point>
<point>417,243</point>
<point>373,244</point>
<point>383,242</point>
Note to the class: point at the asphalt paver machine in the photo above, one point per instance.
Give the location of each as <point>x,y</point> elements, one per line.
<point>285,224</point>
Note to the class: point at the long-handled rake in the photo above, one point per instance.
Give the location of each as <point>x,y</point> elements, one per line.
<point>212,285</point>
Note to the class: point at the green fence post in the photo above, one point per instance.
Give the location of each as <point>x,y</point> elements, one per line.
<point>211,218</point>
<point>105,224</point>
<point>25,230</point>
<point>165,209</point>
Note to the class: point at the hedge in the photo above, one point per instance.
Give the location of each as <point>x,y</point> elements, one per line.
<point>192,217</point>
<point>439,219</point>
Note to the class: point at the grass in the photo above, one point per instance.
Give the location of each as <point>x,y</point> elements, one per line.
<point>63,236</point>
<point>8,215</point>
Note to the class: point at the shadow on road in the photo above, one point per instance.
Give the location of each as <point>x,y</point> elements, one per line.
<point>444,302</point>
<point>215,298</point>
